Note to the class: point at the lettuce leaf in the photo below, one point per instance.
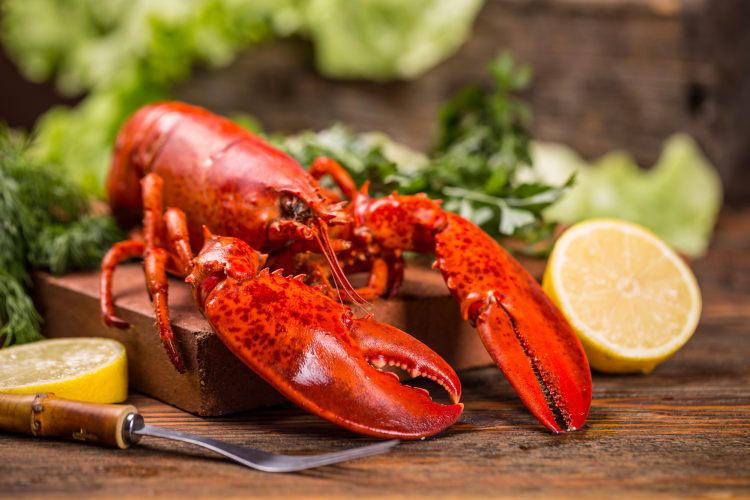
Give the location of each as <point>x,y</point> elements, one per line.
<point>386,39</point>
<point>678,199</point>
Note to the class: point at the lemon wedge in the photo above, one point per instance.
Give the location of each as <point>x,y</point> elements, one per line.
<point>630,298</point>
<point>83,369</point>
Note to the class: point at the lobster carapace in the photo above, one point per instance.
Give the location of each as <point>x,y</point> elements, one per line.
<point>215,174</point>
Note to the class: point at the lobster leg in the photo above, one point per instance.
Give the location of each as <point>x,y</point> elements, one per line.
<point>157,261</point>
<point>377,281</point>
<point>395,273</point>
<point>152,187</point>
<point>119,252</point>
<point>317,274</point>
<point>181,256</point>
<point>524,332</point>
<point>323,165</point>
<point>314,352</point>
<point>156,277</point>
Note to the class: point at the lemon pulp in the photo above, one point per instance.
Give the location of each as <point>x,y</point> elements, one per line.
<point>83,369</point>
<point>630,298</point>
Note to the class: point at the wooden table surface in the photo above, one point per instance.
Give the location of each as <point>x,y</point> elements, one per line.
<point>682,431</point>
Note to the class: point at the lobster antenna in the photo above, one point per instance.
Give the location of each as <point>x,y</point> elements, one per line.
<point>338,293</point>
<point>345,282</point>
<point>333,263</point>
<point>336,277</point>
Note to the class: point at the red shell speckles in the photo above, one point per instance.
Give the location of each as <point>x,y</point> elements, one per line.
<point>299,341</point>
<point>524,332</point>
<point>403,222</point>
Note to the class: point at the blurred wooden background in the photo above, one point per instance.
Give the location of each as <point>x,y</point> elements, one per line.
<point>608,74</point>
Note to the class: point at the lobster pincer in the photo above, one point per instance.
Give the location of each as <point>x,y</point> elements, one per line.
<point>524,332</point>
<point>314,351</point>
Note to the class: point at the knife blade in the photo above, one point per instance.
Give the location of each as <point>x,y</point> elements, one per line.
<point>121,426</point>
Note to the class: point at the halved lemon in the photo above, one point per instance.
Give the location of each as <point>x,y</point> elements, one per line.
<point>83,369</point>
<point>630,298</point>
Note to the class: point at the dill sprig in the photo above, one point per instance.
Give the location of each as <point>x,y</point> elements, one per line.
<point>45,223</point>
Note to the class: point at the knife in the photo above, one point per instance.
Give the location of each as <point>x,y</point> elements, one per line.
<point>120,426</point>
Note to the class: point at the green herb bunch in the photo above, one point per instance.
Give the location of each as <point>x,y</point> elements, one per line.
<point>45,223</point>
<point>477,166</point>
<point>481,154</point>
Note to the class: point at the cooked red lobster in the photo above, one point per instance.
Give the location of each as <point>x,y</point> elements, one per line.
<point>217,177</point>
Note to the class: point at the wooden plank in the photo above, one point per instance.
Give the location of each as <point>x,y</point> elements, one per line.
<point>680,432</point>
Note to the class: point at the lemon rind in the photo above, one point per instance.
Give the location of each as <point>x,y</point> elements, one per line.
<point>119,351</point>
<point>615,350</point>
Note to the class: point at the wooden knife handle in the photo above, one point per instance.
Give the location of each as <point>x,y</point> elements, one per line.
<point>47,415</point>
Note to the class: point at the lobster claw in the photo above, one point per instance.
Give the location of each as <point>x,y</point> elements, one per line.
<point>314,352</point>
<point>524,332</point>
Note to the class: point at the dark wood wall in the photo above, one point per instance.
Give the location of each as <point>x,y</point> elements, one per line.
<point>608,74</point>
<point>22,102</point>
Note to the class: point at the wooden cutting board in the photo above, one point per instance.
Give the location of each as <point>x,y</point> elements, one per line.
<point>216,382</point>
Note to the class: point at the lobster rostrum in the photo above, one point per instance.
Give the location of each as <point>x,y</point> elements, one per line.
<point>234,183</point>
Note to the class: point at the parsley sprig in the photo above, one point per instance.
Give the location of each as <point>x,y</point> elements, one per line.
<point>477,164</point>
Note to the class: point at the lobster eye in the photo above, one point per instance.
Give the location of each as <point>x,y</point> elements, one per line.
<point>294,207</point>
